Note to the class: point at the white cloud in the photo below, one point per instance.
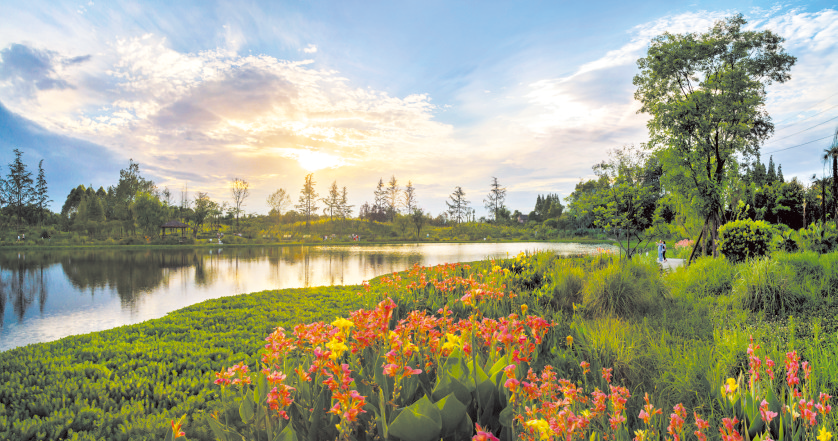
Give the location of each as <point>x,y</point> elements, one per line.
<point>310,49</point>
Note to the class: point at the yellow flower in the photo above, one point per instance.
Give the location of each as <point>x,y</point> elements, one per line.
<point>730,386</point>
<point>337,347</point>
<point>570,341</point>
<point>823,435</point>
<point>542,427</point>
<point>524,308</point>
<point>343,324</point>
<point>496,269</point>
<point>639,435</point>
<point>452,343</point>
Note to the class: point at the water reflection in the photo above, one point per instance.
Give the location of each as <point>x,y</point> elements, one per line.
<point>81,290</point>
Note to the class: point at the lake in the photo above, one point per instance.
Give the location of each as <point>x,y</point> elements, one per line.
<point>49,294</point>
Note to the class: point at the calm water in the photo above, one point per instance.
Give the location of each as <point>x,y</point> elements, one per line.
<point>46,295</point>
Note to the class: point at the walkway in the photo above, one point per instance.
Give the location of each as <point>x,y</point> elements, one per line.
<point>671,264</point>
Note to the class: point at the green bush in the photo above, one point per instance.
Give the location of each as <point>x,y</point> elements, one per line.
<point>745,239</point>
<point>624,289</point>
<point>819,238</point>
<point>565,287</point>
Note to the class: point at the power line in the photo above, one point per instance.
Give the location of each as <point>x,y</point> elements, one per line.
<point>797,133</point>
<point>810,107</point>
<point>804,119</point>
<point>800,145</point>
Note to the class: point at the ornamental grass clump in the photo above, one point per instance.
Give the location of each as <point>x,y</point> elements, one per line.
<point>766,286</point>
<point>624,289</point>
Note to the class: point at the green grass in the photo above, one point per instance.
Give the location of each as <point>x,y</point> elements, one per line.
<point>129,382</point>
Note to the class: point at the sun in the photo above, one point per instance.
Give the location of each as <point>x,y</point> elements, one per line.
<point>312,160</point>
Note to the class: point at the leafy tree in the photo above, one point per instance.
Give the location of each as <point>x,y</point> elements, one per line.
<point>628,204</point>
<point>832,153</point>
<point>494,201</point>
<point>771,176</point>
<point>130,183</point>
<point>307,203</point>
<point>279,201</point>
<point>240,191</point>
<point>789,198</point>
<point>547,207</point>
<point>417,216</point>
<point>458,208</point>
<point>706,97</point>
<point>19,190</point>
<point>149,212</point>
<point>203,208</point>
<point>409,202</point>
<point>583,199</point>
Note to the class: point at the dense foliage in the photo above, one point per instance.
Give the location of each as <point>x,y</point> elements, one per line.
<point>745,239</point>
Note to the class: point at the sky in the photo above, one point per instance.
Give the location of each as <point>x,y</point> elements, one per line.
<point>436,93</point>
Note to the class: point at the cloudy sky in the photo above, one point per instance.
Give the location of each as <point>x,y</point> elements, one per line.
<point>440,93</point>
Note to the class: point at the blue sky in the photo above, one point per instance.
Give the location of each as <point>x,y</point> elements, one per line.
<point>442,94</point>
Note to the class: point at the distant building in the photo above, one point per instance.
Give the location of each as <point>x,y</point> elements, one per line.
<point>523,218</point>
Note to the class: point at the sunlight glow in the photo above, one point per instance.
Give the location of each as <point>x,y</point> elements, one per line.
<point>313,160</point>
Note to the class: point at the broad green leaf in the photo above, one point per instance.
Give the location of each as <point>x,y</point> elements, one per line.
<point>506,416</point>
<point>217,429</point>
<point>452,412</point>
<point>418,422</point>
<point>287,434</point>
<point>247,408</point>
<point>447,385</point>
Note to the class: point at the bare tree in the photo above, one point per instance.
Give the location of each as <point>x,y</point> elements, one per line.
<point>279,201</point>
<point>409,201</point>
<point>240,191</point>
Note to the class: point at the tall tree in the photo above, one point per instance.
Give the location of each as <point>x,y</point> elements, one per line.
<point>418,218</point>
<point>409,201</point>
<point>832,153</point>
<point>706,97</point>
<point>240,191</point>
<point>379,207</point>
<point>41,191</point>
<point>458,208</point>
<point>332,201</point>
<point>494,201</point>
<point>202,210</point>
<point>393,192</point>
<point>279,201</point>
<point>19,190</point>
<point>130,183</point>
<point>345,208</point>
<point>307,203</point>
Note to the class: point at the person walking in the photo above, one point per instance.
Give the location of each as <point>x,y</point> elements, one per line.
<point>659,244</point>
<point>663,246</point>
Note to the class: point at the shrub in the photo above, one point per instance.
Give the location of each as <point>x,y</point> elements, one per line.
<point>745,239</point>
<point>623,289</point>
<point>819,238</point>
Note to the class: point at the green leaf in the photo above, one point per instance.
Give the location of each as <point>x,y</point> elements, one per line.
<point>287,434</point>
<point>506,416</point>
<point>452,412</point>
<point>247,408</point>
<point>420,421</point>
<point>447,385</point>
<point>217,429</point>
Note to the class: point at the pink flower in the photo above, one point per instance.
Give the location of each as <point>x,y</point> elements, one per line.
<point>483,435</point>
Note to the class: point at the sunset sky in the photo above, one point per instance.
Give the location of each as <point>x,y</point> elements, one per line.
<point>443,94</point>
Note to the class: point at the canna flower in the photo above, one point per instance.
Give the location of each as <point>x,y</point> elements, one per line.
<point>343,324</point>
<point>483,435</point>
<point>640,435</point>
<point>524,308</point>
<point>702,426</point>
<point>337,347</point>
<point>177,432</point>
<point>541,427</point>
<point>569,341</point>
<point>823,435</point>
<point>766,414</point>
<point>606,374</point>
<point>452,343</point>
<point>586,367</point>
